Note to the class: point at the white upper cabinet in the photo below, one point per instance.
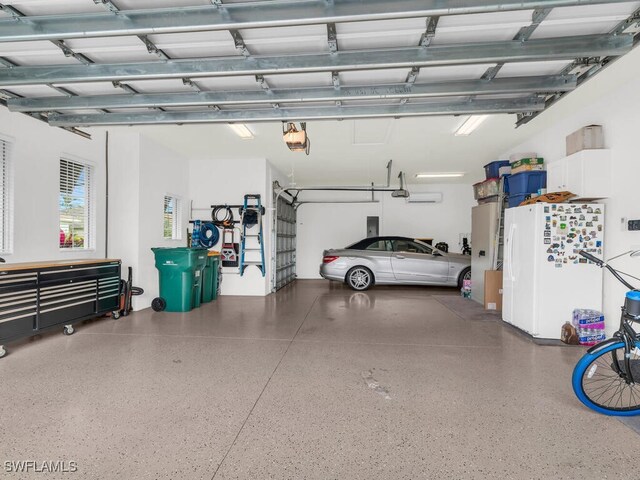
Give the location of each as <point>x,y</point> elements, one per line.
<point>587,174</point>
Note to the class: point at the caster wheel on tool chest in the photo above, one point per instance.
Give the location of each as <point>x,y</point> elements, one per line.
<point>69,330</point>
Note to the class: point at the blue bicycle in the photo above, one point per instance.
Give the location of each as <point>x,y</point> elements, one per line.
<point>607,377</point>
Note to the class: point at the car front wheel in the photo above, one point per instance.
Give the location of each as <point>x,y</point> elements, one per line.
<point>360,278</point>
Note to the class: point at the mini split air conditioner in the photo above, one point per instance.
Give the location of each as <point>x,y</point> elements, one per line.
<point>426,197</point>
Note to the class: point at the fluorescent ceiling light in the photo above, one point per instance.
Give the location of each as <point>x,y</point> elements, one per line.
<point>440,175</point>
<point>241,130</point>
<point>470,124</point>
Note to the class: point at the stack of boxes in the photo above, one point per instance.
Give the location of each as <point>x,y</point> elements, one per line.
<point>524,177</point>
<point>488,190</point>
<point>528,177</point>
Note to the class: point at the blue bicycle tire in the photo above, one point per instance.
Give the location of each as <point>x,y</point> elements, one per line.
<point>585,363</point>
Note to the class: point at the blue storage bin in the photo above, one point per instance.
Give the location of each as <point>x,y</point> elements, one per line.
<point>515,200</point>
<point>527,182</point>
<point>492,170</point>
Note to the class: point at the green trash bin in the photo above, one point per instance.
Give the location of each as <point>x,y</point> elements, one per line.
<point>210,278</point>
<point>180,274</point>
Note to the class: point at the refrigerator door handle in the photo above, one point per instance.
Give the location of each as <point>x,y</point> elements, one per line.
<point>511,237</point>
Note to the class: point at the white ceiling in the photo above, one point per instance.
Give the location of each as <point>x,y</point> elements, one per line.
<point>415,144</point>
<point>347,152</point>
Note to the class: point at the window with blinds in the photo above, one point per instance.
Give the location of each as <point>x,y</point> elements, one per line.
<point>172,218</point>
<point>76,218</point>
<point>6,206</point>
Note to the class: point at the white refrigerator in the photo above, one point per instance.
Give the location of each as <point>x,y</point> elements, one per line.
<point>544,277</point>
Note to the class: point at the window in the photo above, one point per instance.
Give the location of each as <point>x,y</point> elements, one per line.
<point>75,205</point>
<point>172,218</point>
<point>410,247</point>
<point>379,246</point>
<point>6,205</point>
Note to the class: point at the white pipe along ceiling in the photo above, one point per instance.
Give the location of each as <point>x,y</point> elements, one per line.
<point>75,63</point>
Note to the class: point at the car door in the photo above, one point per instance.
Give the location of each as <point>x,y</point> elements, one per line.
<point>379,252</point>
<point>414,262</point>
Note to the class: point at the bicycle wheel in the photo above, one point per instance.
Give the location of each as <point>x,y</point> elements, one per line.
<point>600,387</point>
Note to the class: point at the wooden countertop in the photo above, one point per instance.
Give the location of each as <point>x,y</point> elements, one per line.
<point>12,267</point>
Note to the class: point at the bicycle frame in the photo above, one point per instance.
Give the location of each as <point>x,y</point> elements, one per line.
<point>625,332</point>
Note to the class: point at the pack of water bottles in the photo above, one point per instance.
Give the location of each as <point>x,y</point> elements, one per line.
<point>589,326</point>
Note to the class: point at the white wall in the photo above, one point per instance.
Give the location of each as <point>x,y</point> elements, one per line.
<point>141,173</point>
<point>617,112</point>
<point>336,225</point>
<point>219,182</point>
<point>37,149</point>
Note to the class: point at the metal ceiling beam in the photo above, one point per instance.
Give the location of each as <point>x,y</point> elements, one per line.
<point>300,114</point>
<point>490,52</point>
<point>252,15</point>
<point>550,84</point>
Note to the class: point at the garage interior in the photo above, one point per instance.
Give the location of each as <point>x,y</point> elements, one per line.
<point>276,133</point>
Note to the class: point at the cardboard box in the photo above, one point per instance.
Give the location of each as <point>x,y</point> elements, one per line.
<point>527,168</point>
<point>519,156</point>
<point>527,162</point>
<point>493,290</point>
<point>587,138</point>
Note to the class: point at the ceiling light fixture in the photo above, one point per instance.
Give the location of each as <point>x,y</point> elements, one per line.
<point>440,175</point>
<point>469,125</point>
<point>241,130</point>
<point>296,140</point>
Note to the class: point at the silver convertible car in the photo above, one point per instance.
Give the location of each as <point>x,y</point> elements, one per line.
<point>394,260</point>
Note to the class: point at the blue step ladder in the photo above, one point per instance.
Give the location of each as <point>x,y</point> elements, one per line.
<point>251,218</point>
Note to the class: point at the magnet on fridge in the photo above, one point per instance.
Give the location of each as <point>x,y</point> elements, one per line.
<point>546,209</point>
<point>564,260</point>
<point>598,243</point>
<point>569,240</point>
<point>582,218</point>
<point>558,265</point>
<point>561,208</point>
<point>589,224</point>
<point>547,241</point>
<point>598,211</point>
<point>589,210</point>
<point>551,258</point>
<point>554,207</point>
<point>547,233</point>
<point>599,228</point>
<point>554,223</point>
<point>573,217</point>
<point>547,226</point>
<point>582,260</point>
<point>563,218</point>
<point>595,218</point>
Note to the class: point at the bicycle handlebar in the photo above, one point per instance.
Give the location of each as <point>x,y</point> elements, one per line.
<point>601,264</point>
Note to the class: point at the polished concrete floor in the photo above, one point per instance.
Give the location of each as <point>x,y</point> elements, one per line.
<point>316,382</point>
